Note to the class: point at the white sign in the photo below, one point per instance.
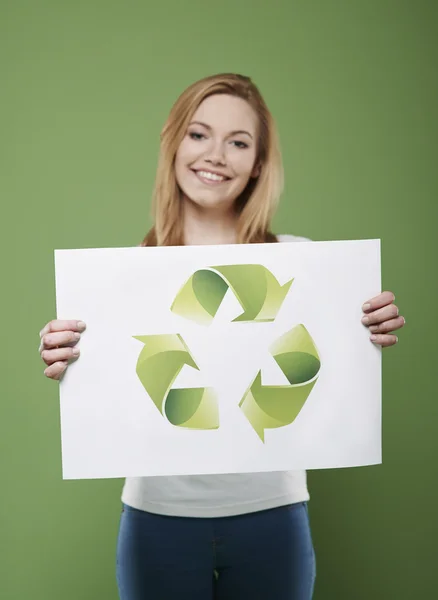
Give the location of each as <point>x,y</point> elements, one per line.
<point>220,359</point>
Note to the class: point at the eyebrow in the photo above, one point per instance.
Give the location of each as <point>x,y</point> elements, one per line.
<point>231,133</point>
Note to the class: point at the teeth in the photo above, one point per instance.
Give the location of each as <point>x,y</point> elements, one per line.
<point>211,176</point>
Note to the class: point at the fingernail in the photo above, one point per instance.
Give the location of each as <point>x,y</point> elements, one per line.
<point>77,336</point>
<point>366,306</point>
<point>365,320</point>
<point>373,338</point>
<point>76,351</point>
<point>81,326</point>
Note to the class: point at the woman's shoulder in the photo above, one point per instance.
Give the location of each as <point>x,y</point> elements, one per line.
<point>283,237</point>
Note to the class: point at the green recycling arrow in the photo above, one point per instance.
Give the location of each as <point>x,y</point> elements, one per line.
<point>254,286</point>
<point>158,365</point>
<point>268,407</point>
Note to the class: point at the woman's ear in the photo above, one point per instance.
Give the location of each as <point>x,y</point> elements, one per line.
<point>256,170</point>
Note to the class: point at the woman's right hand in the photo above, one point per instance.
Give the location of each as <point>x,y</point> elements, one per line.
<point>58,345</point>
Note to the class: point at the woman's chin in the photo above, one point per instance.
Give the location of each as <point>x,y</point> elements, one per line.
<point>210,204</point>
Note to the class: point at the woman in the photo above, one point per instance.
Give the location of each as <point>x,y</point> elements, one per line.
<point>234,536</point>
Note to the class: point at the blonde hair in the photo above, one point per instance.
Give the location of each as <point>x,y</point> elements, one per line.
<point>256,204</point>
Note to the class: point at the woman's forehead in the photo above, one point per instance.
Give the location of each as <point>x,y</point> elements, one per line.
<point>226,112</point>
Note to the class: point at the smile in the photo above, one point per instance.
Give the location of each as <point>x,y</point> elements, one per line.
<point>209,177</point>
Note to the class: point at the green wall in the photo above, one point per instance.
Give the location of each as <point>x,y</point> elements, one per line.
<point>85,88</point>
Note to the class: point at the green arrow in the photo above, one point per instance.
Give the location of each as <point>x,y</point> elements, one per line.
<point>254,286</point>
<point>160,361</point>
<point>268,407</point>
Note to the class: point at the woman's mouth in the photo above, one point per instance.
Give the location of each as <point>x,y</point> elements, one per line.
<point>210,178</point>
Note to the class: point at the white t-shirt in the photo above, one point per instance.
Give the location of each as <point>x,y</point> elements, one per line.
<point>217,495</point>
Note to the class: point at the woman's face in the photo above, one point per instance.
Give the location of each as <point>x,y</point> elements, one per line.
<point>216,158</point>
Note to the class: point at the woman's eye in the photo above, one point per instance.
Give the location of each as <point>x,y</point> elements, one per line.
<point>240,144</point>
<point>196,136</point>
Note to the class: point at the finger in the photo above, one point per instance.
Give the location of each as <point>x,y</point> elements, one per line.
<point>42,347</point>
<point>56,370</point>
<point>58,325</point>
<point>380,315</point>
<point>61,354</point>
<point>379,301</point>
<point>387,326</point>
<point>384,340</point>
<point>61,338</point>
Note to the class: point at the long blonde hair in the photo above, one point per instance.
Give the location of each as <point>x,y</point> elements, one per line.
<point>256,204</point>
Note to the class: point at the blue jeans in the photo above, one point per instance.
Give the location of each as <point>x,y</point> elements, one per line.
<point>266,555</point>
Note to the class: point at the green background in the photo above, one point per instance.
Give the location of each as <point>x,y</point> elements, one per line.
<point>85,89</point>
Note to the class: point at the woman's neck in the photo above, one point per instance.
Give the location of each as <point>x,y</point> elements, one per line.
<point>208,227</point>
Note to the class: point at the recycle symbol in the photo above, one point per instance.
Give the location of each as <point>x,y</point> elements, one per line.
<point>261,297</point>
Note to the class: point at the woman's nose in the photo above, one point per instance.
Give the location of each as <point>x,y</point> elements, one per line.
<point>216,155</point>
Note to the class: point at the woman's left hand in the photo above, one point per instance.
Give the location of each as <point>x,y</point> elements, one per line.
<point>382,317</point>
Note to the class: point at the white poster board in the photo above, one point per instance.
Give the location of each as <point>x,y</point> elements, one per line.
<point>286,375</point>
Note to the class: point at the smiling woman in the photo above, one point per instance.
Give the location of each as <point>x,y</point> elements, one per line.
<point>213,163</point>
<point>219,152</point>
<point>233,536</point>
